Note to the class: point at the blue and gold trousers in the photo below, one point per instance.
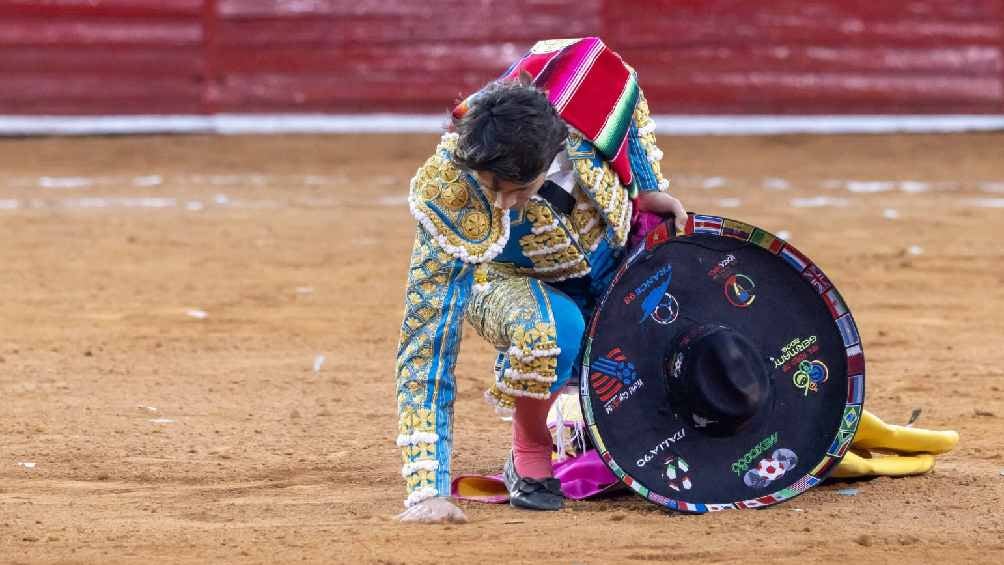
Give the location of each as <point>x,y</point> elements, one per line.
<point>537,327</point>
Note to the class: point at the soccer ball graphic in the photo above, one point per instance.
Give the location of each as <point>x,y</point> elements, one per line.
<point>667,310</point>
<point>676,473</point>
<point>769,470</point>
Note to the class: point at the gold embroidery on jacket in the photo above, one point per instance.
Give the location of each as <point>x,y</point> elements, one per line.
<point>551,245</point>
<point>646,136</point>
<point>600,182</point>
<point>587,221</point>
<point>417,423</point>
<point>453,209</point>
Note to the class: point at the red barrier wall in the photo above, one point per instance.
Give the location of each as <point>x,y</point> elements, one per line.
<point>113,56</point>
<point>710,56</point>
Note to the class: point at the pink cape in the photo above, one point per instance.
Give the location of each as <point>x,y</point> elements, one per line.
<point>581,477</point>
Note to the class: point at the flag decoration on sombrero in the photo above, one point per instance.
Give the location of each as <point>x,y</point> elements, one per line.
<point>590,87</point>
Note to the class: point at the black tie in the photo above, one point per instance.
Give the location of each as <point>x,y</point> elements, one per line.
<point>559,199</point>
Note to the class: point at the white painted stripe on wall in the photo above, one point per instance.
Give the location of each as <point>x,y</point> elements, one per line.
<point>770,125</point>
<point>233,124</point>
<point>103,125</point>
<point>329,123</point>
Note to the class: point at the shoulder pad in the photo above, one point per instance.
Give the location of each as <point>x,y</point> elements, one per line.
<point>447,202</point>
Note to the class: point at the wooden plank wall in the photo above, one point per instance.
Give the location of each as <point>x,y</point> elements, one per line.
<point>693,56</point>
<point>98,57</point>
<point>377,55</point>
<point>816,56</point>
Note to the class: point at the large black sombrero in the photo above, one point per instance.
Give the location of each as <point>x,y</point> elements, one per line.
<point>721,370</point>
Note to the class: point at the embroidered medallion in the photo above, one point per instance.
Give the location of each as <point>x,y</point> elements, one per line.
<point>474,224</point>
<point>430,191</point>
<point>454,195</point>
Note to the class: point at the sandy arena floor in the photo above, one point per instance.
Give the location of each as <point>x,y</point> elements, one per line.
<point>164,302</point>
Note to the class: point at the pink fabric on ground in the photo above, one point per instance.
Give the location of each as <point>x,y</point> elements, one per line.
<point>581,477</point>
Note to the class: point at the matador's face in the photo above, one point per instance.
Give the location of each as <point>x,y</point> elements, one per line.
<point>507,194</point>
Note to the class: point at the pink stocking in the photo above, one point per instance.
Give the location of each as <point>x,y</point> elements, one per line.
<point>531,440</point>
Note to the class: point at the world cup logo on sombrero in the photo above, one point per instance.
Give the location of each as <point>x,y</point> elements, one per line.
<point>614,379</point>
<point>810,375</point>
<point>739,291</point>
<point>656,303</point>
<point>769,470</point>
<point>650,286</point>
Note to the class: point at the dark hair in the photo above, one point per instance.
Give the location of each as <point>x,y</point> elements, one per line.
<point>511,130</point>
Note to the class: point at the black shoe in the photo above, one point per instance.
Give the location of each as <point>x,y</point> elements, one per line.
<point>532,494</point>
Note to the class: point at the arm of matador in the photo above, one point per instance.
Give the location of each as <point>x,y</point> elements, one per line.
<point>439,285</point>
<point>643,152</point>
<point>650,187</point>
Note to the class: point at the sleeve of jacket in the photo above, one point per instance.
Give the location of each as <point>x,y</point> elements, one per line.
<point>645,156</point>
<point>438,287</point>
<point>458,228</point>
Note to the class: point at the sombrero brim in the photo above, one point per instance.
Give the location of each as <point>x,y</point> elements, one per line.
<point>722,271</point>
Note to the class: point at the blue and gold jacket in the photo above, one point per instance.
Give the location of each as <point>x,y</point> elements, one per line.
<point>462,241</point>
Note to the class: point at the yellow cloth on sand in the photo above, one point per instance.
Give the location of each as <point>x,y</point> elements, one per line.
<point>881,449</point>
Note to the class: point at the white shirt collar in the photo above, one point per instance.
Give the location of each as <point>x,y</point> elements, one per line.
<point>560,172</point>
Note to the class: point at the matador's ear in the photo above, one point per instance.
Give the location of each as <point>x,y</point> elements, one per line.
<point>525,78</point>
